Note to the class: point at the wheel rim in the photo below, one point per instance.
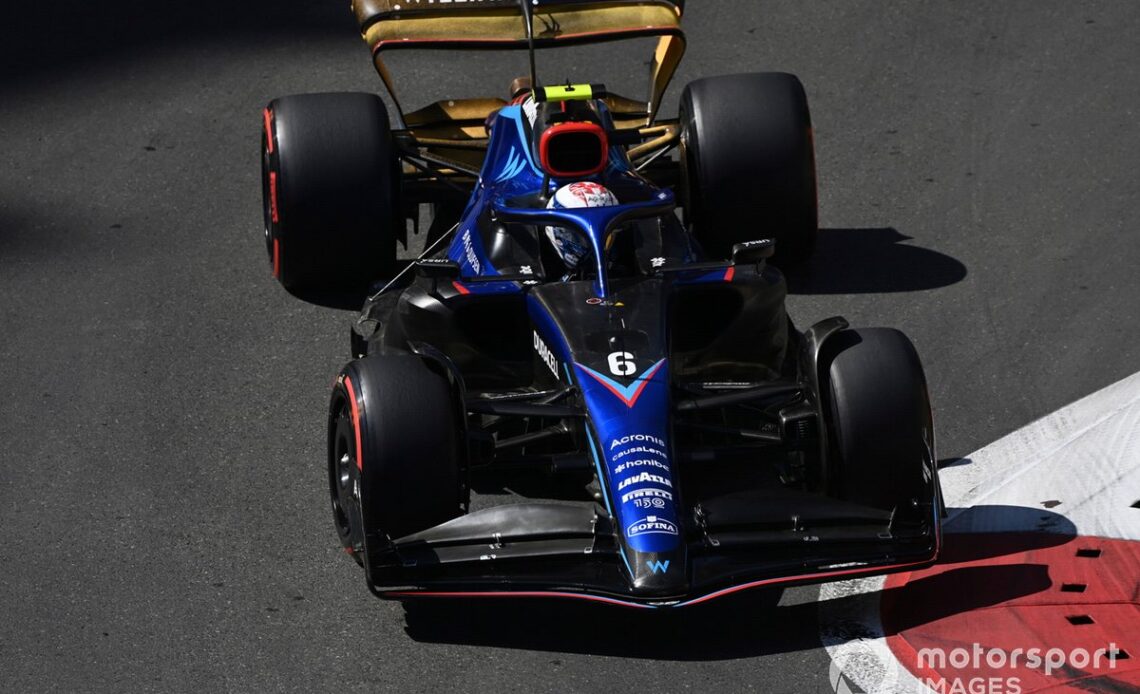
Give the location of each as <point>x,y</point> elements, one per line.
<point>267,211</point>
<point>344,478</point>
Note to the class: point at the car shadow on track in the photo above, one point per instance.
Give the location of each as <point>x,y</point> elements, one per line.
<point>742,626</point>
<point>731,628</point>
<point>986,560</point>
<point>342,301</point>
<point>953,462</point>
<point>865,261</point>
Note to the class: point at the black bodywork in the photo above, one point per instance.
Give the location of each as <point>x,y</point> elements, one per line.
<point>721,387</point>
<point>654,429</point>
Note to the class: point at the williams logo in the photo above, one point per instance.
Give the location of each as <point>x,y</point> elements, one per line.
<point>515,165</point>
<point>659,567</point>
<point>651,525</point>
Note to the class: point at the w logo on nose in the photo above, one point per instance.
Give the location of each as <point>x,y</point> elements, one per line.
<point>659,567</point>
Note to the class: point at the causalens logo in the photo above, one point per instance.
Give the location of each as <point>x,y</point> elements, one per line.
<point>639,450</point>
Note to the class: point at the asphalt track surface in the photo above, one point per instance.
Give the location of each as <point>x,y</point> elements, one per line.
<point>163,514</point>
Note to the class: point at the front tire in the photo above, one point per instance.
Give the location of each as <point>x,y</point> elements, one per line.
<point>748,164</point>
<point>395,452</point>
<point>882,431</point>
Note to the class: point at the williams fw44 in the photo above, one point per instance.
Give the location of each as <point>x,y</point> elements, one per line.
<point>587,385</point>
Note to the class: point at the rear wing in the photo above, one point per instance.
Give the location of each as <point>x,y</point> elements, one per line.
<point>499,24</point>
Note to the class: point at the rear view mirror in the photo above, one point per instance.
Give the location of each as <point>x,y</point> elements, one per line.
<point>753,251</point>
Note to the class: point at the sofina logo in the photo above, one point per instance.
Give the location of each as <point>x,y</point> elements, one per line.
<point>650,525</point>
<point>659,567</point>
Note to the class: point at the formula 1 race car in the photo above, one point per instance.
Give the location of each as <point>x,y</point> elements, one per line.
<point>587,384</point>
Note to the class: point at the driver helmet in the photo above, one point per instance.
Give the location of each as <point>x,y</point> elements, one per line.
<point>569,244</point>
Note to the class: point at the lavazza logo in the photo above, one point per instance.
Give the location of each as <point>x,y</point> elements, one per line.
<point>651,525</point>
<point>644,477</point>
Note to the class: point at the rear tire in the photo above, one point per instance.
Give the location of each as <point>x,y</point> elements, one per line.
<point>748,164</point>
<point>329,190</point>
<point>395,452</point>
<point>881,425</point>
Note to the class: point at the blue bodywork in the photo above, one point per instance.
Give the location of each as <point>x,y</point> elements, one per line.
<point>628,401</point>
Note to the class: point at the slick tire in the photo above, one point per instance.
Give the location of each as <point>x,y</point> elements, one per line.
<point>882,434</point>
<point>329,191</point>
<point>748,164</point>
<point>395,452</point>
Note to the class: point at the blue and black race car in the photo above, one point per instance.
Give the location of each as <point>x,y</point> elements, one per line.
<point>587,384</point>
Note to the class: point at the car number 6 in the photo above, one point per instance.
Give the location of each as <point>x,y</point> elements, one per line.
<point>621,364</point>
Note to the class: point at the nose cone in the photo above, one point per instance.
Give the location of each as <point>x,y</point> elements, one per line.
<point>631,418</point>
